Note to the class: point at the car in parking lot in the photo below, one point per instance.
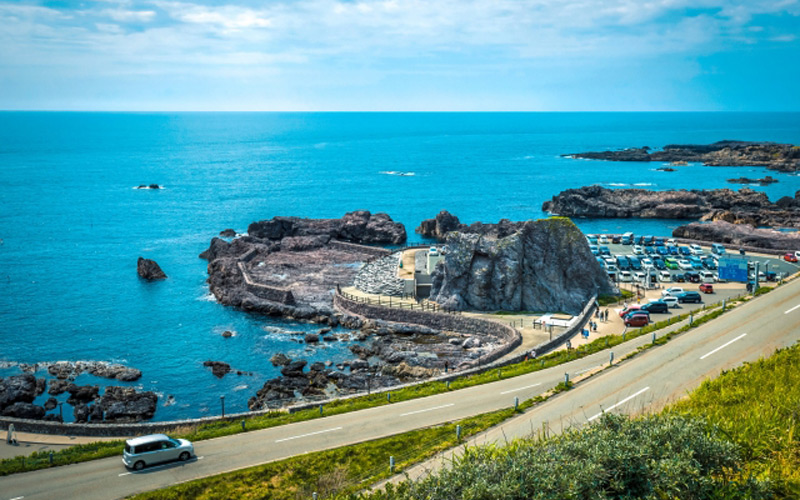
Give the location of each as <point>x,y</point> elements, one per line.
<point>615,239</point>
<point>659,264</point>
<point>678,277</point>
<point>604,250</point>
<point>670,301</point>
<point>591,239</point>
<point>603,239</point>
<point>637,320</point>
<point>689,297</point>
<point>664,276</point>
<point>594,250</point>
<point>143,451</point>
<point>627,239</point>
<point>718,249</point>
<point>707,288</point>
<point>673,290</point>
<point>685,265</point>
<point>696,249</point>
<point>696,262</point>
<point>684,250</point>
<point>671,263</point>
<point>647,263</point>
<point>707,277</point>
<point>635,263</point>
<point>628,309</point>
<point>638,276</point>
<point>790,257</point>
<point>692,276</point>
<point>662,251</point>
<point>659,241</point>
<point>672,250</point>
<point>622,263</point>
<point>650,250</point>
<point>656,306</point>
<point>625,276</point>
<point>710,264</point>
<point>638,250</point>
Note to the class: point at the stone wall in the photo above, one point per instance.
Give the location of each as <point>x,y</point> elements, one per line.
<point>355,247</point>
<point>437,320</point>
<point>267,292</point>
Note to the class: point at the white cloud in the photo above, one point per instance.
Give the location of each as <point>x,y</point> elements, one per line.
<point>129,16</point>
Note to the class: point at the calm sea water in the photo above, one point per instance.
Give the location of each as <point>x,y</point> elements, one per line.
<point>72,227</point>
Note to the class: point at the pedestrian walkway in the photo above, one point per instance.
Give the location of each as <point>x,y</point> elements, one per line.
<point>28,443</point>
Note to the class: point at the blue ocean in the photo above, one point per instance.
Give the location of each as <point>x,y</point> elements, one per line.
<point>72,226</point>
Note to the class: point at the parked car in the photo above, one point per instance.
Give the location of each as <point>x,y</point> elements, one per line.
<point>628,309</point>
<point>625,276</point>
<point>707,277</point>
<point>684,250</point>
<point>656,306</point>
<point>638,312</point>
<point>143,451</point>
<point>710,264</point>
<point>591,239</point>
<point>650,251</point>
<point>594,250</point>
<point>662,251</point>
<point>717,249</point>
<point>615,239</point>
<point>627,239</point>
<point>790,257</point>
<point>647,263</point>
<point>636,264</point>
<point>659,241</point>
<point>678,277</point>
<point>638,250</point>
<point>604,250</point>
<point>638,320</point>
<point>648,240</point>
<point>639,276</point>
<point>696,262</point>
<point>659,264</point>
<point>664,276</point>
<point>696,249</point>
<point>622,263</point>
<point>692,276</point>
<point>612,268</point>
<point>673,290</point>
<point>707,288</point>
<point>671,263</point>
<point>603,239</point>
<point>685,265</point>
<point>673,250</point>
<point>687,297</point>
<point>671,301</point>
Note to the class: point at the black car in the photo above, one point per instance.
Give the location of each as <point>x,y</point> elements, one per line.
<point>616,239</point>
<point>692,276</point>
<point>688,297</point>
<point>709,264</point>
<point>659,264</point>
<point>678,278</point>
<point>771,276</point>
<point>656,307</point>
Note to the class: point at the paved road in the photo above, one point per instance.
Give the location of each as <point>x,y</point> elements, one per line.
<point>647,381</point>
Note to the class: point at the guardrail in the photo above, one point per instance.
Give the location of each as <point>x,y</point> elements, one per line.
<point>424,305</point>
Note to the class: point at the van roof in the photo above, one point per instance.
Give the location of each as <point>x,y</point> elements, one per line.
<point>147,439</point>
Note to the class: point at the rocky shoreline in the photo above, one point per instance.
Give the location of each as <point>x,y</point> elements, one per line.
<point>774,156</point>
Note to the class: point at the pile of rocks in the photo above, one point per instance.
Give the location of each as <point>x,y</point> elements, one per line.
<point>17,394</point>
<point>379,277</point>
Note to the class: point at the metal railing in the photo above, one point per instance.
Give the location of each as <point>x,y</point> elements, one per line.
<point>424,305</point>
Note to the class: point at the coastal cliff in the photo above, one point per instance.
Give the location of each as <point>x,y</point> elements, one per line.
<point>445,222</point>
<point>545,265</point>
<point>774,156</point>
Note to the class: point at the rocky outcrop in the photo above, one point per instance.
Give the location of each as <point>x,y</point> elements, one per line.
<point>445,222</point>
<point>23,410</point>
<point>356,227</point>
<point>227,233</point>
<point>149,270</point>
<point>780,157</point>
<point>124,404</point>
<point>79,394</point>
<point>764,181</point>
<point>744,206</point>
<point>721,231</point>
<point>68,370</point>
<point>218,368</point>
<point>18,389</point>
<point>545,266</point>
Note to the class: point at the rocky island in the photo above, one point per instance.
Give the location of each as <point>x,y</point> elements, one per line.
<point>774,156</point>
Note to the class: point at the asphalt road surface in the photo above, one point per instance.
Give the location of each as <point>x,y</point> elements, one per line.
<point>648,381</point>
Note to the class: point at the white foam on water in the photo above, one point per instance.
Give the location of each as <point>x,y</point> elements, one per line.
<point>240,387</point>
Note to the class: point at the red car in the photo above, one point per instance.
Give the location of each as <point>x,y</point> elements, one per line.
<point>632,307</point>
<point>707,288</point>
<point>790,257</point>
<point>637,320</point>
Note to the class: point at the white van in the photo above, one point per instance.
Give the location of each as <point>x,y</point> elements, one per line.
<point>664,277</point>
<point>696,249</point>
<point>707,277</point>
<point>717,249</point>
<point>625,276</point>
<point>154,449</point>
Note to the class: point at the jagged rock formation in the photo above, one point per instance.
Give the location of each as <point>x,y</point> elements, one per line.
<point>544,266</point>
<point>445,222</point>
<point>149,270</point>
<point>68,370</point>
<point>764,181</point>
<point>742,207</point>
<point>780,157</point>
<point>721,231</point>
<point>19,389</point>
<point>293,264</point>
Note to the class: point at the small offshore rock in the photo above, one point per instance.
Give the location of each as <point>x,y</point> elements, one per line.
<point>311,338</point>
<point>50,404</point>
<point>149,269</point>
<point>24,410</point>
<point>227,233</point>
<point>218,368</point>
<point>227,334</point>
<point>279,359</point>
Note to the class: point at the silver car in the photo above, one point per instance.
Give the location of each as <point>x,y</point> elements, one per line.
<point>154,449</point>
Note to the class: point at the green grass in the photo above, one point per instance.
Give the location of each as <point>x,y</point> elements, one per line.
<point>607,300</point>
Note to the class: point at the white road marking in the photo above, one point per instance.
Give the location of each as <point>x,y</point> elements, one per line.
<point>620,403</point>
<point>792,309</point>
<point>423,411</point>
<point>520,388</point>
<point>723,346</point>
<point>120,475</point>
<point>309,434</point>
<point>17,498</point>
<point>587,369</point>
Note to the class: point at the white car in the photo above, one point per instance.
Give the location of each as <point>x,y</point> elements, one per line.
<point>647,263</point>
<point>612,268</point>
<point>638,250</point>
<point>638,276</point>
<point>672,291</point>
<point>671,242</point>
<point>671,301</point>
<point>603,240</point>
<point>625,276</point>
<point>610,261</point>
<point>696,249</point>
<point>664,276</point>
<point>685,265</point>
<point>707,277</point>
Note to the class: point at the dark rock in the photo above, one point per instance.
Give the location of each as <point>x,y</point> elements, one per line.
<point>24,410</point>
<point>50,404</point>
<point>294,368</point>
<point>739,235</point>
<point>115,371</point>
<point>149,270</point>
<point>227,334</point>
<point>154,186</point>
<point>311,338</point>
<point>358,364</point>
<point>545,266</point>
<point>41,385</point>
<point>279,359</point>
<point>317,367</point>
<point>445,223</point>
<point>17,389</point>
<point>58,386</point>
<point>357,227</point>
<point>218,368</point>
<point>227,233</point>
<point>81,414</point>
<point>96,414</point>
<point>124,404</point>
<point>324,331</point>
<point>52,417</point>
<point>764,181</point>
<point>80,394</point>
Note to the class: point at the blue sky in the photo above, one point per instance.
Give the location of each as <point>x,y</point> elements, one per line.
<point>538,55</point>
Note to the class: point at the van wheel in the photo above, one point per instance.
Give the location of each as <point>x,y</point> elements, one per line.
<point>184,456</point>
<point>138,465</point>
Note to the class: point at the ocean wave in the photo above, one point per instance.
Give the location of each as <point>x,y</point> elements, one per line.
<point>401,174</point>
<point>624,184</point>
<point>240,387</point>
<point>207,297</point>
